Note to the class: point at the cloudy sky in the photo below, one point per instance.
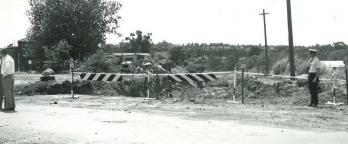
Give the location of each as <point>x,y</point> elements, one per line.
<point>209,21</point>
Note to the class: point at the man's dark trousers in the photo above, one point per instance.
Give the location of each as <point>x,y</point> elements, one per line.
<point>8,91</point>
<point>1,93</point>
<point>313,88</point>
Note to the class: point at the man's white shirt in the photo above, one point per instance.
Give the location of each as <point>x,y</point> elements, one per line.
<point>314,65</point>
<point>7,65</point>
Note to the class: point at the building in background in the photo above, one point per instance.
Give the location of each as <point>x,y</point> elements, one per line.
<point>23,55</point>
<point>333,64</point>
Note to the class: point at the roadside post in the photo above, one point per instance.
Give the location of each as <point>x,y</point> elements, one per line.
<point>346,71</point>
<point>72,76</point>
<point>243,66</point>
<point>234,86</point>
<point>147,81</point>
<point>148,84</point>
<point>157,87</point>
<point>234,83</point>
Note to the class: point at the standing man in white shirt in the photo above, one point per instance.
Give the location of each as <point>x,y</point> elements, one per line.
<point>313,77</point>
<point>1,92</point>
<point>7,71</point>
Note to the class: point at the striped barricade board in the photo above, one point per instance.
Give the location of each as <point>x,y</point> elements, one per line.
<point>192,78</point>
<point>101,77</point>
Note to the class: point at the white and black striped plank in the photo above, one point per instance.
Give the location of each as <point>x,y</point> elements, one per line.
<point>207,77</point>
<point>192,77</point>
<point>174,78</point>
<point>101,77</point>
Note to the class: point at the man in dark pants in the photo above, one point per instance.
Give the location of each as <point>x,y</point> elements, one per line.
<point>7,72</point>
<point>313,77</point>
<point>1,92</point>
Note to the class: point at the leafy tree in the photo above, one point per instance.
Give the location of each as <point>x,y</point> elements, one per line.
<point>111,48</point>
<point>243,60</point>
<point>138,43</point>
<point>254,50</point>
<point>340,45</point>
<point>252,61</point>
<point>169,65</point>
<point>178,55</point>
<point>215,63</point>
<point>58,56</point>
<point>196,64</point>
<point>99,63</point>
<point>338,54</point>
<point>82,23</point>
<point>163,46</point>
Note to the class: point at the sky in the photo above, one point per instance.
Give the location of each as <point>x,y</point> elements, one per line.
<point>210,21</point>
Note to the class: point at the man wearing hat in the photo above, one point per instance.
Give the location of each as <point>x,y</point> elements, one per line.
<point>313,77</point>
<point>7,72</point>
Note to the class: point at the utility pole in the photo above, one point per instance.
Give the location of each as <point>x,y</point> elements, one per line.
<point>291,43</point>
<point>265,31</point>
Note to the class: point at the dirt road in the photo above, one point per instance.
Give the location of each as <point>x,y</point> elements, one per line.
<point>39,120</point>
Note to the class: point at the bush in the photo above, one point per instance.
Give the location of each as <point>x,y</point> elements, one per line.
<point>48,72</point>
<point>58,56</point>
<point>178,55</point>
<point>135,88</point>
<point>283,67</point>
<point>51,87</point>
<point>99,63</point>
<point>302,66</point>
<point>280,66</point>
<point>38,87</point>
<point>196,64</point>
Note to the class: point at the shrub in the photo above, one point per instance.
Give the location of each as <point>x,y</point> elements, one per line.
<point>280,66</point>
<point>283,67</point>
<point>302,66</point>
<point>194,65</point>
<point>215,63</point>
<point>38,87</point>
<point>58,56</point>
<point>51,87</point>
<point>99,63</point>
<point>178,55</point>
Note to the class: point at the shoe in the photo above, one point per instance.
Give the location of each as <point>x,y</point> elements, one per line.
<point>8,109</point>
<point>311,105</point>
<point>315,105</point>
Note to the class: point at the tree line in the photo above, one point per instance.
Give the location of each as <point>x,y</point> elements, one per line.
<point>65,29</point>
